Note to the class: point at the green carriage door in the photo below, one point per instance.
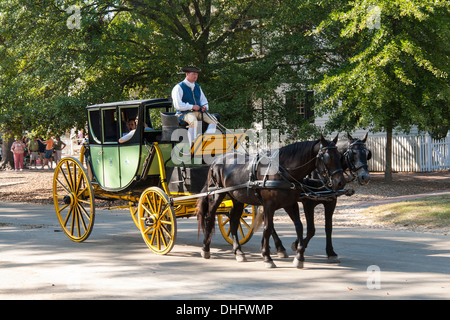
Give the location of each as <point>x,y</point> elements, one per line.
<point>95,144</point>
<point>129,151</point>
<point>109,159</point>
<point>114,164</point>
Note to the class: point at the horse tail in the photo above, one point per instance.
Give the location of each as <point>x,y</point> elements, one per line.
<point>259,218</point>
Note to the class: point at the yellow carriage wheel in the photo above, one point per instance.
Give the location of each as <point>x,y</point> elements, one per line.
<point>245,229</point>
<point>157,220</point>
<point>73,198</point>
<point>134,213</point>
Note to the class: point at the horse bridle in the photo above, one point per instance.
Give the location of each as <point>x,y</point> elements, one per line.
<point>348,158</point>
<point>324,157</point>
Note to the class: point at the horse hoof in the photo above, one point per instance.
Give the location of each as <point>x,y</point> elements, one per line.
<point>206,255</point>
<point>241,258</point>
<point>270,265</point>
<point>333,259</point>
<point>282,254</point>
<point>297,263</point>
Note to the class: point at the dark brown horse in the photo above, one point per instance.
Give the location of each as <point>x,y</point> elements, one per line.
<point>281,189</point>
<point>354,159</point>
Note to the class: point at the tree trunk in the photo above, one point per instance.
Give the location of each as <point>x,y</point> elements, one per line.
<point>7,156</point>
<point>388,168</point>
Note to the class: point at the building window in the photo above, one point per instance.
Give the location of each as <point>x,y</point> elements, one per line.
<point>302,102</point>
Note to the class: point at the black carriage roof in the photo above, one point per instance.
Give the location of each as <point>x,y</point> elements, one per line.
<point>158,102</point>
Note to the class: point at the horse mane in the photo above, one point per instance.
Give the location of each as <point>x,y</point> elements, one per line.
<point>299,150</point>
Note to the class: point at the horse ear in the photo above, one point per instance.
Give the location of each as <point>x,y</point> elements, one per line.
<point>335,140</point>
<point>323,141</point>
<point>349,137</point>
<point>363,140</point>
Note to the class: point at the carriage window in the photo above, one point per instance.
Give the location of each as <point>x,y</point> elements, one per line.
<point>110,122</point>
<point>128,117</point>
<point>153,117</point>
<point>95,126</point>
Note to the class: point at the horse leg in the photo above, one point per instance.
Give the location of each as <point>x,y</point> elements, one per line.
<point>235,217</point>
<point>210,215</point>
<point>308,208</point>
<point>294,214</point>
<point>309,216</point>
<point>329,210</point>
<point>267,232</point>
<point>281,251</point>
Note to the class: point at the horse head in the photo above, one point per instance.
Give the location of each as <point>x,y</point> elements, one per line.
<point>328,164</point>
<point>356,157</point>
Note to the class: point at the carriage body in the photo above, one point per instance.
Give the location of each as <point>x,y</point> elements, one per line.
<point>149,171</point>
<point>115,166</point>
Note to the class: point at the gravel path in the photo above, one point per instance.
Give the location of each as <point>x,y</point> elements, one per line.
<point>35,186</point>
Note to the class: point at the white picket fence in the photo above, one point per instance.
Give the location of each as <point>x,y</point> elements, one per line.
<point>410,153</point>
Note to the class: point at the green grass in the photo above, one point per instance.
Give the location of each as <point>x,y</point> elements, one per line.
<point>431,212</point>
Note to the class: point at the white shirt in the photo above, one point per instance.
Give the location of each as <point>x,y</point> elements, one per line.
<point>177,95</point>
<point>127,136</point>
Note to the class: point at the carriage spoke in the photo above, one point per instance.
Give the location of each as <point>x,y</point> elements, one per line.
<point>75,186</point>
<point>62,208</point>
<point>73,221</point>
<point>148,210</point>
<point>85,213</point>
<point>81,218</point>
<point>68,216</point>
<point>79,193</point>
<point>77,220</point>
<point>241,231</point>
<point>163,237</point>
<point>245,223</point>
<point>149,230</point>
<point>62,185</point>
<point>149,203</point>
<point>69,173</point>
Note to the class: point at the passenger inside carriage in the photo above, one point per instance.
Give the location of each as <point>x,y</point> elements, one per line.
<point>132,125</point>
<point>131,128</point>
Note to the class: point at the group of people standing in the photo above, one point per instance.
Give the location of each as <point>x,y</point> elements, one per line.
<point>46,151</point>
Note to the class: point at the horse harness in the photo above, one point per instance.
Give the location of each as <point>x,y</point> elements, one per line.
<point>287,182</point>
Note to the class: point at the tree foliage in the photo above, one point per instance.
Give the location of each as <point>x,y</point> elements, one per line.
<point>251,53</point>
<point>395,72</point>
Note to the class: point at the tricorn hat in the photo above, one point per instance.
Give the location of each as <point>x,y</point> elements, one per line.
<point>191,69</point>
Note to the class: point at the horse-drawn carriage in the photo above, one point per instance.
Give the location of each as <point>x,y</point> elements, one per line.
<point>149,171</point>
<point>136,152</point>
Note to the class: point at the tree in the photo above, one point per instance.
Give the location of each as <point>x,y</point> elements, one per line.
<point>394,70</point>
<point>59,56</point>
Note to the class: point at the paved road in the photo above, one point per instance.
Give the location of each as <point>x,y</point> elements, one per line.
<point>37,261</point>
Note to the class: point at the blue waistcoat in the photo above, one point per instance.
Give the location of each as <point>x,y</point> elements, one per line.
<point>190,96</point>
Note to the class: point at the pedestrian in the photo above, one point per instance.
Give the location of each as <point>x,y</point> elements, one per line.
<point>41,151</point>
<point>33,146</point>
<point>59,146</point>
<point>18,149</point>
<point>49,143</point>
